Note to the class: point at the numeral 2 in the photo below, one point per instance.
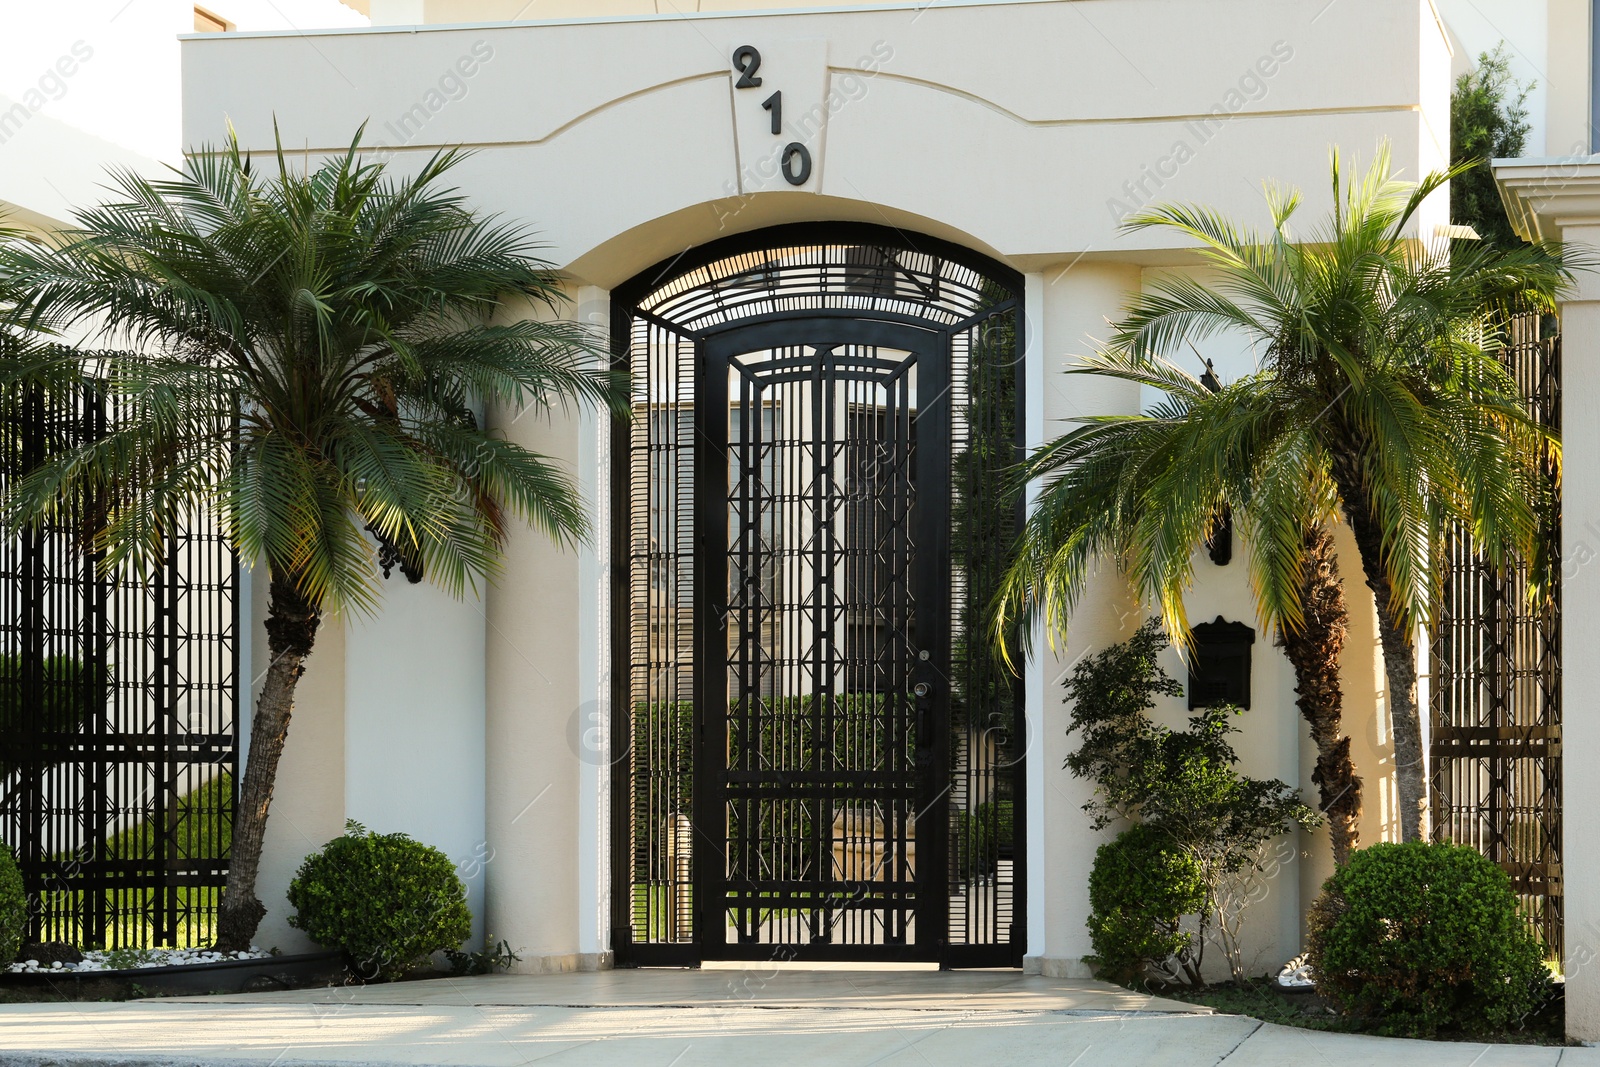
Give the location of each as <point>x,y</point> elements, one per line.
<point>746,60</point>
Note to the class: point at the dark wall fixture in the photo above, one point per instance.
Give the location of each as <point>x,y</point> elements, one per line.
<point>1219,670</point>
<point>1221,543</point>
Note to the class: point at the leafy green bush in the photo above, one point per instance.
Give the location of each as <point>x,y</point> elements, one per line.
<point>1422,937</point>
<point>13,907</point>
<point>1183,781</point>
<point>1141,887</point>
<point>387,901</point>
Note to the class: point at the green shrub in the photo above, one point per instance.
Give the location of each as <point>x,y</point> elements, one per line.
<point>1141,887</point>
<point>34,724</point>
<point>201,826</point>
<point>387,901</point>
<point>1421,937</point>
<point>13,907</point>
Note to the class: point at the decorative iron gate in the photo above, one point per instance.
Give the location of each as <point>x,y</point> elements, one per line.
<point>117,737</point>
<point>1496,693</point>
<point>814,760</point>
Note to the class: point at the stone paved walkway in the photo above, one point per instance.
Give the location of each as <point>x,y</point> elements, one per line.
<point>763,1018</point>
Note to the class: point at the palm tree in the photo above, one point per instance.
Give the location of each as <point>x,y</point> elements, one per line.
<point>311,350</point>
<point>1380,399</point>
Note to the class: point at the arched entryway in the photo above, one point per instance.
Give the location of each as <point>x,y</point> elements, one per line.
<point>817,758</point>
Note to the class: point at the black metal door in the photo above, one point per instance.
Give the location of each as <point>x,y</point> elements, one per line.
<point>824,641</point>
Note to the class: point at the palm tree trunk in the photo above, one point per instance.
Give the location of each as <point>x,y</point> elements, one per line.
<point>1399,657</point>
<point>291,632</point>
<point>1314,649</point>
<point>1399,663</point>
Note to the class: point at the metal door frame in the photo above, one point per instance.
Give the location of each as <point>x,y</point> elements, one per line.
<point>929,579</point>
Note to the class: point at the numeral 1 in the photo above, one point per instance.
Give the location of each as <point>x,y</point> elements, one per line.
<point>774,104</point>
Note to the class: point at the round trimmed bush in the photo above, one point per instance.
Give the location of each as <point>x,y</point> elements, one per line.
<point>1140,888</point>
<point>13,907</point>
<point>387,901</point>
<point>1421,937</point>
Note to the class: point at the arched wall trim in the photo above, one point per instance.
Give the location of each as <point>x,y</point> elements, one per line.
<point>817,758</point>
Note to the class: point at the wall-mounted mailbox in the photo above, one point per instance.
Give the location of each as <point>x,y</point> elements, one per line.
<point>1219,670</point>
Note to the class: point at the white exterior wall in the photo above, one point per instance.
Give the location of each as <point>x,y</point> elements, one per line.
<point>1020,130</point>
<point>1568,124</point>
<point>1078,299</point>
<point>414,725</point>
<point>1580,635</point>
<point>95,84</point>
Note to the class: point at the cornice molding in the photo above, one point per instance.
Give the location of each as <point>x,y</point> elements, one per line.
<point>1546,197</point>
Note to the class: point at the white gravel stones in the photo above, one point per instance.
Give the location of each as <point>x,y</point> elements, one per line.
<point>137,959</point>
<point>1296,974</point>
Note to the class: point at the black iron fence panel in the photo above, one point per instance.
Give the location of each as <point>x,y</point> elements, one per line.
<point>1495,743</point>
<point>118,741</point>
<point>986,709</point>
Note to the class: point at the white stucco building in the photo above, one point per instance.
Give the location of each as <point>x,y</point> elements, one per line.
<point>1016,132</point>
<point>896,199</point>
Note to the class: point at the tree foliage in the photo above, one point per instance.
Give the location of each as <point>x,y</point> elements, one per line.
<point>1488,121</point>
<point>1381,399</point>
<point>1381,391</point>
<point>300,355</point>
<point>1182,782</point>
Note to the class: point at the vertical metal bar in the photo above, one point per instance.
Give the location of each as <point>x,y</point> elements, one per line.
<point>711,648</point>
<point>96,593</point>
<point>623,698</point>
<point>930,518</point>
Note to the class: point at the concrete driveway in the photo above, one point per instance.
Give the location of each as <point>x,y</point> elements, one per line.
<point>766,1017</point>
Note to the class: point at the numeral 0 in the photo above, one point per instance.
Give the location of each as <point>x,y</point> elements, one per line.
<point>796,151</point>
<point>747,60</point>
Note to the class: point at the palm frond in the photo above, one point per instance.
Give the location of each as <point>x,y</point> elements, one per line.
<point>314,351</point>
<point>1380,394</point>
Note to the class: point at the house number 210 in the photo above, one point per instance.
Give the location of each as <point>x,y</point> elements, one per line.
<point>796,163</point>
